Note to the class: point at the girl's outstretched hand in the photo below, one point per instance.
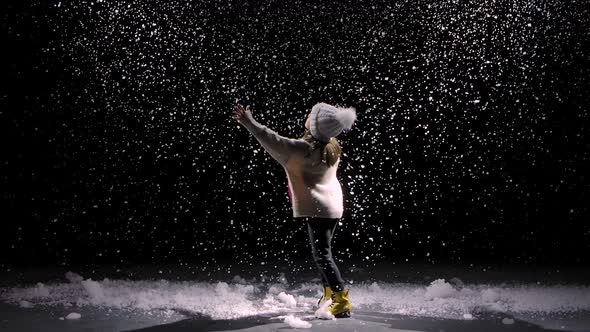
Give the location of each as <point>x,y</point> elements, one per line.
<point>242,114</point>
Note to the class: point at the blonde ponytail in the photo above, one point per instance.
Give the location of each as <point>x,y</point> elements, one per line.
<point>330,152</point>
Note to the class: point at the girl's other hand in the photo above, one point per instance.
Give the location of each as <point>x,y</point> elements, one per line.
<point>242,114</point>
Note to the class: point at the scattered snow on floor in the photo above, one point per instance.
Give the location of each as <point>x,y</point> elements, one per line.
<point>239,298</point>
<point>296,322</point>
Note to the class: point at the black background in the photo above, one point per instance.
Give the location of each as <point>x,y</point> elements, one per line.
<point>118,144</point>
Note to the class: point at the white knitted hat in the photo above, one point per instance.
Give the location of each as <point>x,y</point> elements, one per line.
<point>329,121</point>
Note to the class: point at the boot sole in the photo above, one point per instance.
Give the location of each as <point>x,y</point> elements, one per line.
<point>345,314</point>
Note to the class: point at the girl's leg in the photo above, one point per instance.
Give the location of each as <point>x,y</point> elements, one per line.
<point>325,282</point>
<point>320,232</point>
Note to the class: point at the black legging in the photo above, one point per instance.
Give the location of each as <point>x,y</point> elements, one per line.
<point>320,232</point>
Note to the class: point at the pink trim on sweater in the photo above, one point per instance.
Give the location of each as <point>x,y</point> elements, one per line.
<point>290,194</point>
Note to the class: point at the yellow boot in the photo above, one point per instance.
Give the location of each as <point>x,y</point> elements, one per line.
<point>327,295</point>
<point>341,305</point>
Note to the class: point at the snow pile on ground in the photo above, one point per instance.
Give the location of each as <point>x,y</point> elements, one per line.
<point>38,291</point>
<point>74,277</point>
<point>296,322</point>
<point>73,315</point>
<point>507,321</point>
<point>239,280</point>
<point>322,312</point>
<point>221,300</point>
<point>25,304</point>
<point>490,295</point>
<point>287,299</point>
<point>439,288</point>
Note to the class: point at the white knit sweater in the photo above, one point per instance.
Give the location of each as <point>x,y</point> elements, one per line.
<point>314,190</point>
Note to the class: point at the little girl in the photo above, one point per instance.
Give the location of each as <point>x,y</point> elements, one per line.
<point>311,163</point>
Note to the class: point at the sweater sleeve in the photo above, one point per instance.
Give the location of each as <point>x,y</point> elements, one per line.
<point>279,147</point>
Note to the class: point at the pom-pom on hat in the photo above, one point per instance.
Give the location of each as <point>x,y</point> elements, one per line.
<point>327,121</point>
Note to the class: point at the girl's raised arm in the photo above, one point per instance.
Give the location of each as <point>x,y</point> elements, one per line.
<point>279,147</point>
